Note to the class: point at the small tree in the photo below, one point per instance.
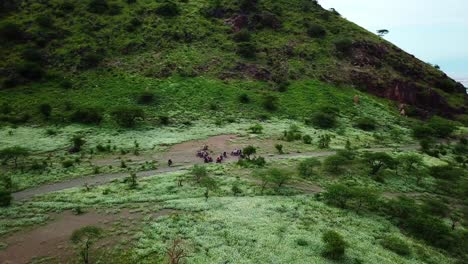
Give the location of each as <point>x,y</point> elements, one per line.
<point>382,32</point>
<point>77,143</point>
<point>199,172</point>
<point>279,148</point>
<point>5,191</point>
<point>307,167</point>
<point>324,141</point>
<point>84,238</point>
<point>133,180</point>
<point>334,164</point>
<point>335,245</point>
<point>412,164</point>
<point>249,151</point>
<point>209,184</point>
<point>264,177</point>
<point>177,252</point>
<point>279,176</point>
<point>14,153</point>
<point>378,161</point>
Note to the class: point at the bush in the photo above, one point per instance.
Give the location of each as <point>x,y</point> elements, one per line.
<point>396,245</point>
<point>423,131</point>
<point>334,164</point>
<point>366,123</point>
<point>316,31</point>
<point>325,118</point>
<point>249,151</point>
<point>256,129</point>
<point>244,98</point>
<point>242,36</point>
<point>442,127</point>
<point>446,172</point>
<point>279,148</point>
<point>246,49</point>
<point>127,116</point>
<point>292,134</point>
<point>324,141</point>
<point>87,116</point>
<point>98,6</point>
<point>31,71</point>
<point>307,139</point>
<point>164,120</point>
<point>335,245</point>
<point>45,110</point>
<point>168,9</point>
<point>270,103</point>
<point>344,46</point>
<point>91,59</point>
<point>67,164</point>
<point>306,168</point>
<point>10,32</point>
<point>146,98</point>
<point>32,55</point>
<point>45,21</point>
<point>5,198</point>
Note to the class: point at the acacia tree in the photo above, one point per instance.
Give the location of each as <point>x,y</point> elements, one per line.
<point>84,238</point>
<point>199,172</point>
<point>378,161</point>
<point>249,151</point>
<point>14,153</point>
<point>279,176</point>
<point>177,252</point>
<point>209,184</point>
<point>382,32</point>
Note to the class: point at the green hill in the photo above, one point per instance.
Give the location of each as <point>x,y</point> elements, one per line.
<point>104,54</point>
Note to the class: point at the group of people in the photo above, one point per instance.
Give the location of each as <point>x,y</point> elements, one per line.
<point>205,155</point>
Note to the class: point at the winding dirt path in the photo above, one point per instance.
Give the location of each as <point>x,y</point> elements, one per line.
<point>183,155</point>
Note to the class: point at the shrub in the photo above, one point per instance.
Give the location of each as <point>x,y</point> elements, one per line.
<point>316,31</point>
<point>279,176</point>
<point>378,161</point>
<point>270,103</point>
<point>248,5</point>
<point>442,127</point>
<point>246,49</point>
<point>127,116</point>
<point>91,59</point>
<point>249,151</point>
<point>335,245</point>
<point>324,141</point>
<point>44,21</point>
<point>256,129</point>
<point>446,172</point>
<point>46,110</point>
<point>67,164</point>
<point>168,9</point>
<point>32,55</point>
<point>396,245</point>
<point>242,36</point>
<point>199,172</point>
<point>98,6</point>
<point>279,148</point>
<point>344,45</point>
<point>324,118</point>
<point>423,131</point>
<point>87,116</point>
<point>244,98</point>
<point>306,168</point>
<point>307,139</point>
<point>164,120</point>
<point>146,97</point>
<point>292,134</point>
<point>366,123</point>
<point>31,71</point>
<point>5,197</point>
<point>334,164</point>
<point>10,32</point>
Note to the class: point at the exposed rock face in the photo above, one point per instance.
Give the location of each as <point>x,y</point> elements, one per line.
<point>404,78</point>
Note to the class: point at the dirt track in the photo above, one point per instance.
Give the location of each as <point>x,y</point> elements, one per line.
<point>183,155</point>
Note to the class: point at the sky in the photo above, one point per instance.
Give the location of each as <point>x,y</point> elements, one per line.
<point>434,31</point>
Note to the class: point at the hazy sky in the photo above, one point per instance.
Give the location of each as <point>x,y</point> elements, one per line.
<point>434,31</point>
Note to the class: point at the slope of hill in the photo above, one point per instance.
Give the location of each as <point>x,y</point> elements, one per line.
<point>51,46</point>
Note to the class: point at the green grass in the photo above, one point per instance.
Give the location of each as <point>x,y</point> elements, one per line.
<point>243,229</point>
